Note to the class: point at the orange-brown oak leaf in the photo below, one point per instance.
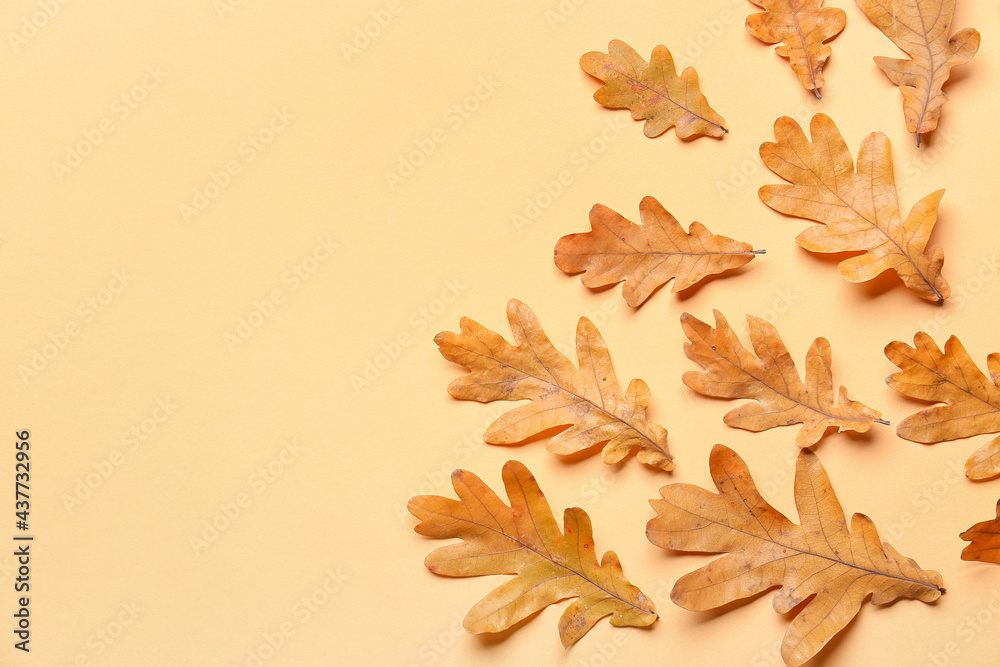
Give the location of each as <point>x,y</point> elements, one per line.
<point>823,562</point>
<point>652,91</point>
<point>768,377</point>
<point>921,28</point>
<point>951,377</point>
<point>984,538</point>
<point>648,255</point>
<point>859,210</point>
<point>524,539</point>
<point>802,27</point>
<point>588,399</point>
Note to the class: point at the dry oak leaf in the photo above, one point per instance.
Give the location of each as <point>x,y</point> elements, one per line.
<point>802,26</point>
<point>951,377</point>
<point>769,378</point>
<point>646,256</point>
<point>652,91</point>
<point>985,540</point>
<point>921,29</point>
<point>589,398</point>
<point>524,539</point>
<point>822,562</point>
<point>859,210</point>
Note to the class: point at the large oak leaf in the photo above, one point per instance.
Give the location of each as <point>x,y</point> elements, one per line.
<point>588,399</point>
<point>822,562</point>
<point>859,210</point>
<point>524,539</point>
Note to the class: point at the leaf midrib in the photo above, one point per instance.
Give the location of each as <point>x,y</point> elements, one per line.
<point>993,406</point>
<point>809,60</point>
<point>666,96</point>
<point>645,253</point>
<point>734,364</point>
<point>873,224</point>
<point>550,559</point>
<point>551,382</point>
<point>804,552</point>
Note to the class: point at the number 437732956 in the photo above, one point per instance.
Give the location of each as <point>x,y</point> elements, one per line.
<point>21,480</point>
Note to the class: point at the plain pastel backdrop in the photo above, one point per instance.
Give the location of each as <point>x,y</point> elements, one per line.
<point>231,229</point>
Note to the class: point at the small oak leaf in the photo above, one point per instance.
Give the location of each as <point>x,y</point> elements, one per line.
<point>652,91</point>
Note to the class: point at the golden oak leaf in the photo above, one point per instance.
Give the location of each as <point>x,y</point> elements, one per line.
<point>652,91</point>
<point>524,539</point>
<point>769,379</point>
<point>831,567</point>
<point>589,398</point>
<point>985,540</point>
<point>951,377</point>
<point>648,255</point>
<point>859,210</point>
<point>802,26</point>
<point>921,28</point>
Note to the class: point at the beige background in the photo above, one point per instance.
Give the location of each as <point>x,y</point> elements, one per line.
<point>154,412</point>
